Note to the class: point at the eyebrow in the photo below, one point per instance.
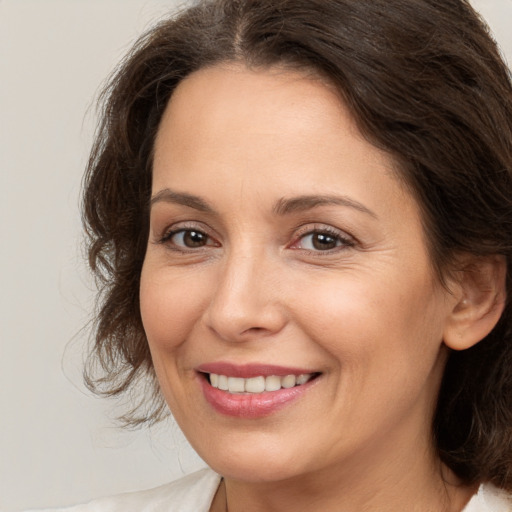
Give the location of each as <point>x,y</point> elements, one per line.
<point>307,202</point>
<point>169,196</point>
<point>283,206</point>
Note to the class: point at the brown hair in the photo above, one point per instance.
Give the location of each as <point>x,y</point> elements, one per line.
<point>425,82</point>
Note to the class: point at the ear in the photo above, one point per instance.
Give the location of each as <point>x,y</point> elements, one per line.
<point>480,294</point>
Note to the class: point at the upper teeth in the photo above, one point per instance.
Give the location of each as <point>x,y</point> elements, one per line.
<point>257,384</point>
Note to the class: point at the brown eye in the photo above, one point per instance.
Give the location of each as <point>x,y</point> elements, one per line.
<point>324,241</point>
<point>189,238</point>
<point>320,240</point>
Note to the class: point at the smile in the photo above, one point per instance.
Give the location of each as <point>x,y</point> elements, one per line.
<point>253,391</point>
<point>258,384</point>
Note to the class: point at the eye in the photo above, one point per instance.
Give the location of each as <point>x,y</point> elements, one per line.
<point>319,242</point>
<point>187,238</point>
<point>322,240</point>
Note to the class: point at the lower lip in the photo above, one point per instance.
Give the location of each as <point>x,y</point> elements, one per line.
<point>251,405</point>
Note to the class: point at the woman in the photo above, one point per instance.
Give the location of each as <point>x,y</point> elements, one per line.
<point>301,211</point>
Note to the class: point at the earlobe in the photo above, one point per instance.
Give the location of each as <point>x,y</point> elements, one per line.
<point>481,295</point>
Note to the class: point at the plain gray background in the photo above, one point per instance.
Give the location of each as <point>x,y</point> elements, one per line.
<point>58,444</point>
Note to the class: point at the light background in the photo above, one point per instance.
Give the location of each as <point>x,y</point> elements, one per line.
<point>58,444</point>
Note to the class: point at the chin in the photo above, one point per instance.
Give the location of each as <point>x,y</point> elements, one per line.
<point>253,463</point>
<point>254,472</point>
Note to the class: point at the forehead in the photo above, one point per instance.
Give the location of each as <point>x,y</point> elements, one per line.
<point>266,131</point>
<point>223,101</point>
<point>228,106</point>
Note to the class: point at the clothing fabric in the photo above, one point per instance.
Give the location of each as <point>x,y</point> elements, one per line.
<point>195,492</point>
<point>192,493</point>
<point>490,499</point>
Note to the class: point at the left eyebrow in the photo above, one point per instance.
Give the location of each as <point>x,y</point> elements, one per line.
<point>285,206</point>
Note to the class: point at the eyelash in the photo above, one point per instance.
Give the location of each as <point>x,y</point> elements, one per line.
<point>167,237</point>
<point>342,240</point>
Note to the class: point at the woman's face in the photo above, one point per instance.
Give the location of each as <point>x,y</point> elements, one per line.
<point>282,245</point>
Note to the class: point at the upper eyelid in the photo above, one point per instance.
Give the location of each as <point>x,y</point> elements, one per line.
<point>184,225</point>
<point>174,231</point>
<point>296,233</point>
<point>315,227</point>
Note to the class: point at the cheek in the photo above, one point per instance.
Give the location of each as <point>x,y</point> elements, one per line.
<point>369,320</point>
<point>170,306</point>
<point>384,344</point>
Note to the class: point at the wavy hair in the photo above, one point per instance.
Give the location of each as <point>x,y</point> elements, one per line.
<point>423,79</point>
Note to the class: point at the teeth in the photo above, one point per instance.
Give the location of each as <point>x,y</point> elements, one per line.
<point>289,381</point>
<point>236,385</point>
<point>253,385</point>
<point>302,379</point>
<point>257,384</point>
<point>223,383</point>
<point>272,383</point>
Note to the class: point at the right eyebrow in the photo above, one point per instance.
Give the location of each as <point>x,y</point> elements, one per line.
<point>167,195</point>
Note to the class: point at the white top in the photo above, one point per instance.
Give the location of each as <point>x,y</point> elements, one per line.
<point>192,493</point>
<point>195,492</point>
<point>490,499</point>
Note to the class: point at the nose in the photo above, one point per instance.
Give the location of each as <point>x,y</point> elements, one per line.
<point>248,300</point>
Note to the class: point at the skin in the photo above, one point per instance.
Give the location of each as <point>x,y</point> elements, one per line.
<point>368,313</point>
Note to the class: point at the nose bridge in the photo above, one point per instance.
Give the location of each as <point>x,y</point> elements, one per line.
<point>246,300</point>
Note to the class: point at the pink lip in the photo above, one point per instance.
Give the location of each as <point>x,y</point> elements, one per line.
<point>250,405</point>
<point>250,370</point>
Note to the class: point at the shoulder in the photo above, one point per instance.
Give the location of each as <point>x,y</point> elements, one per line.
<point>490,499</point>
<point>192,493</point>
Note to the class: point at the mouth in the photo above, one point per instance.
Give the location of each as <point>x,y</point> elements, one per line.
<point>259,384</point>
<point>253,391</point>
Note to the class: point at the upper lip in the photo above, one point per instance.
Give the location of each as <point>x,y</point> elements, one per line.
<point>247,371</point>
